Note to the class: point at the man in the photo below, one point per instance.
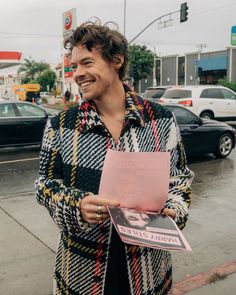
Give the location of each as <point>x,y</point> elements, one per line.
<point>91,259</point>
<point>67,95</point>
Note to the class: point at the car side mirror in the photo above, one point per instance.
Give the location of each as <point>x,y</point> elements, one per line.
<point>196,123</point>
<point>200,122</point>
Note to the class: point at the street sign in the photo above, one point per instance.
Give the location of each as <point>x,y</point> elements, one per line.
<point>69,22</point>
<point>68,71</point>
<point>233,35</point>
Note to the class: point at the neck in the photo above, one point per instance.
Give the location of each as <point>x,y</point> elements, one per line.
<point>112,104</point>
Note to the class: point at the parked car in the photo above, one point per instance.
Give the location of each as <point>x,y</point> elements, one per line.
<point>21,123</point>
<point>45,94</point>
<point>155,93</point>
<point>203,136</point>
<point>208,102</point>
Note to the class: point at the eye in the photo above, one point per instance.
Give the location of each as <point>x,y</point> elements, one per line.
<point>88,62</point>
<point>74,67</point>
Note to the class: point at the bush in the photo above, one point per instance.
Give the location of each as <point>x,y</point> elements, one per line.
<point>225,83</point>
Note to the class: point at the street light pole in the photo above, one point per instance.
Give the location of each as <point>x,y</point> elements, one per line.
<point>200,48</point>
<point>124,16</point>
<point>154,81</point>
<point>151,23</point>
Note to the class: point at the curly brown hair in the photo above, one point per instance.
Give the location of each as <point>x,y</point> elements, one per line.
<point>109,42</point>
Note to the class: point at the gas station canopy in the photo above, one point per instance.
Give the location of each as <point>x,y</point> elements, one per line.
<point>10,58</point>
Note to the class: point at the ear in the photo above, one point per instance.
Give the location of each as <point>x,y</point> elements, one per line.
<point>118,61</point>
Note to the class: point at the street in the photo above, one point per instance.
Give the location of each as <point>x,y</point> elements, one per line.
<point>28,236</point>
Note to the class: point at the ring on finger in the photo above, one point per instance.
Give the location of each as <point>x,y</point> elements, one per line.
<point>98,217</point>
<point>99,209</point>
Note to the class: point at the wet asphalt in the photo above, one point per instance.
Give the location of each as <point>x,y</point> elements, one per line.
<point>211,229</point>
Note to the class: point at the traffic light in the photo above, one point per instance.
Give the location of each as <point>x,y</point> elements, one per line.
<point>184,12</point>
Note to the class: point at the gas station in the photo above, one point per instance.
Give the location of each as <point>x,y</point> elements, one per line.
<point>8,59</point>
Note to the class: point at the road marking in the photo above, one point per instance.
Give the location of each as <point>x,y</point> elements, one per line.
<point>19,160</point>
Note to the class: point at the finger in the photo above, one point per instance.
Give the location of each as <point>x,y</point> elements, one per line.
<point>169,212</point>
<point>100,209</point>
<point>97,200</point>
<point>105,202</point>
<point>94,215</point>
<point>91,208</point>
<point>98,218</point>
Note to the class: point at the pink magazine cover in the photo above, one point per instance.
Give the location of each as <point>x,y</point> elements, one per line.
<point>137,180</point>
<point>148,229</point>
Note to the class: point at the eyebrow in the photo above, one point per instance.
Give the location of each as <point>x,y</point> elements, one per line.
<point>82,60</point>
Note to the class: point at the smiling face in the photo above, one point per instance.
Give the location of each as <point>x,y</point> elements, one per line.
<point>95,76</point>
<point>135,218</point>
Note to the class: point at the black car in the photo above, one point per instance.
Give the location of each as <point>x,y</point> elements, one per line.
<point>202,136</point>
<point>21,123</point>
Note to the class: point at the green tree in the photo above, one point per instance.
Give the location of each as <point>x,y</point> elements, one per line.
<point>48,78</point>
<point>140,62</point>
<point>31,70</point>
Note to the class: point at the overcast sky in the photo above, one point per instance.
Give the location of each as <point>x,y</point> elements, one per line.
<point>209,23</point>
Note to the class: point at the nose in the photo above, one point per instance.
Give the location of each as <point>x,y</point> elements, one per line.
<point>78,72</point>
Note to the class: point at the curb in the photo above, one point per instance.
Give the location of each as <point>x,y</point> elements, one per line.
<point>204,278</point>
<point>52,107</point>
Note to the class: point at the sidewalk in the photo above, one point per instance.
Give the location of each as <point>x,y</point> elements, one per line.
<point>59,104</point>
<point>28,240</point>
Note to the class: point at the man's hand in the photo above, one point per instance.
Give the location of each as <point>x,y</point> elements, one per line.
<point>169,212</point>
<point>93,208</point>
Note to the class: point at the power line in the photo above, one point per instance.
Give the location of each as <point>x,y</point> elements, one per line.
<point>12,34</point>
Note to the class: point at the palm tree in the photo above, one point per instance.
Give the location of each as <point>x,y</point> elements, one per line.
<point>31,69</point>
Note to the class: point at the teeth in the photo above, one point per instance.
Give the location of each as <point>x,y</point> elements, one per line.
<point>86,84</point>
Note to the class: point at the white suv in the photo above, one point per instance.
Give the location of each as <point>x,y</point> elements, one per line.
<point>45,94</point>
<point>206,101</point>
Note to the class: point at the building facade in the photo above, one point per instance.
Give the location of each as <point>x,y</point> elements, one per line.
<point>195,68</point>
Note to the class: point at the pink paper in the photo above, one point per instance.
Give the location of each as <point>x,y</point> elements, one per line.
<point>138,180</point>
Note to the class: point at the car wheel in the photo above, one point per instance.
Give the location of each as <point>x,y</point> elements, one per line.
<point>224,146</point>
<point>207,115</point>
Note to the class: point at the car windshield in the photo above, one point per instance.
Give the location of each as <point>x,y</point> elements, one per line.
<point>154,93</point>
<point>177,93</point>
<point>183,116</point>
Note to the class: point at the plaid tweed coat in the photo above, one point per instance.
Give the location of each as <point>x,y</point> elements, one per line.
<point>71,160</point>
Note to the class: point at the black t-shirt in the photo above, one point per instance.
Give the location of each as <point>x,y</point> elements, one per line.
<point>117,281</point>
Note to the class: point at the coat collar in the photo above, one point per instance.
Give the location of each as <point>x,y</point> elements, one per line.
<point>89,117</point>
